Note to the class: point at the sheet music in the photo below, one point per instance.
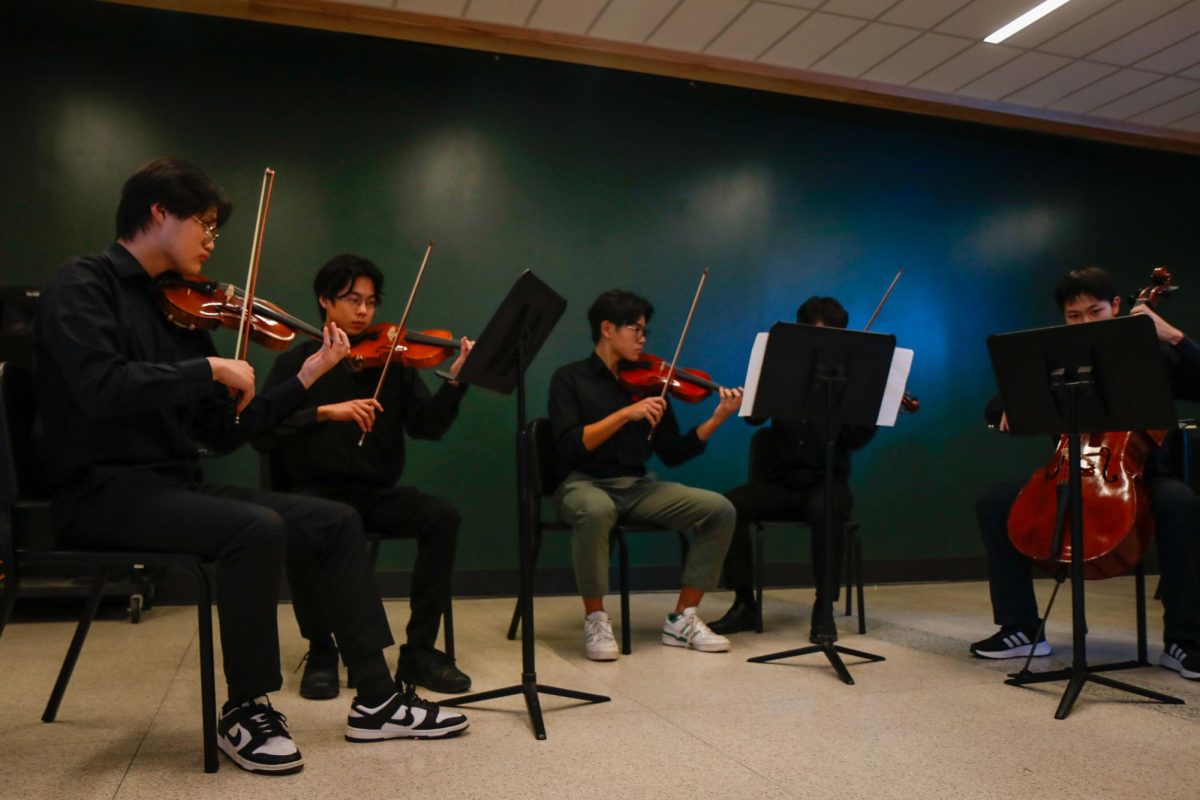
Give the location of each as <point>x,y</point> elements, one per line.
<point>897,379</point>
<point>753,370</point>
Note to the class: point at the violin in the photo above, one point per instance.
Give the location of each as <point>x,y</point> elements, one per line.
<point>197,302</point>
<point>649,374</point>
<point>1117,522</point>
<point>415,349</point>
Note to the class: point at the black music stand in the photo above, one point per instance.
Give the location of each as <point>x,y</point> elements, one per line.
<point>498,362</point>
<point>1096,377</point>
<point>832,377</point>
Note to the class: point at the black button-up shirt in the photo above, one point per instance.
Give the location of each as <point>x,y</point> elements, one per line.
<point>120,387</point>
<point>794,452</point>
<point>326,454</point>
<point>585,392</point>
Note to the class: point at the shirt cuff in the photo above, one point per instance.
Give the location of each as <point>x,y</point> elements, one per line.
<point>1190,350</point>
<point>196,370</point>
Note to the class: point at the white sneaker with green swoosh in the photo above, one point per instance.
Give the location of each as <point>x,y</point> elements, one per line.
<point>688,630</point>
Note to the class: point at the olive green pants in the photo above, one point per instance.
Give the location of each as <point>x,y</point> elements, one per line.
<point>594,506</point>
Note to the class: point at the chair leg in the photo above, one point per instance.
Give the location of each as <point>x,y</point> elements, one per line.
<point>623,580</point>
<point>81,631</point>
<point>858,579</point>
<point>516,617</point>
<point>759,539</point>
<point>208,686</point>
<point>848,565</point>
<point>448,625</point>
<point>1139,588</point>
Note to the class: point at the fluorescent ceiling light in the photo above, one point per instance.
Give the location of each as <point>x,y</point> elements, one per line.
<point>1028,18</point>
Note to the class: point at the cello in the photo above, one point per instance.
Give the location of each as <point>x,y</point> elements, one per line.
<point>1117,523</point>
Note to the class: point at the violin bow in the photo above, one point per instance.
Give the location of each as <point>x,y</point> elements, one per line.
<point>260,228</point>
<point>682,337</point>
<point>886,294</point>
<point>394,333</point>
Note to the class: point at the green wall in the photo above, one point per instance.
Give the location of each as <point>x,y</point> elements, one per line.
<point>593,179</point>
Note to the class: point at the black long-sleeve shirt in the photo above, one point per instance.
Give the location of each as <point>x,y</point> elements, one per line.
<point>794,454</point>
<point>586,391</point>
<point>120,387</point>
<point>326,454</point>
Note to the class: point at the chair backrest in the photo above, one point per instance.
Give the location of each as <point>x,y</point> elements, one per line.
<point>760,455</point>
<point>271,473</point>
<point>21,476</point>
<point>545,473</point>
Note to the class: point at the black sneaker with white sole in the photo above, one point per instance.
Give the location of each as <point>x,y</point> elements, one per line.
<point>255,736</point>
<point>1183,657</point>
<point>1012,641</point>
<point>402,716</point>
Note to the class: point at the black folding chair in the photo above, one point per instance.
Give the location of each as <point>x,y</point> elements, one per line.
<point>25,503</point>
<point>545,475</point>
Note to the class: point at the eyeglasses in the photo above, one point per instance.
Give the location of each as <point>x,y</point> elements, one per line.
<point>639,331</point>
<point>210,229</point>
<point>355,300</point>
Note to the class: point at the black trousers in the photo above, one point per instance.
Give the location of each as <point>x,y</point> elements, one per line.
<point>1176,529</point>
<point>401,512</point>
<point>247,532</point>
<point>760,501</point>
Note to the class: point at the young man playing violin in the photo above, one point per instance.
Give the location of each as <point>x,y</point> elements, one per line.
<point>605,433</point>
<point>1089,295</point>
<point>125,396</point>
<point>791,486</point>
<point>318,447</point>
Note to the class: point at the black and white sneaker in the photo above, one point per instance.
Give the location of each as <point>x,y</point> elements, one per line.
<point>255,736</point>
<point>403,716</point>
<point>1012,641</point>
<point>1183,657</point>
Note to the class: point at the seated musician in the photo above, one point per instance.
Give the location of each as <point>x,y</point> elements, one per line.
<point>124,397</point>
<point>793,488</point>
<point>602,431</point>
<point>319,448</point>
<point>1087,295</point>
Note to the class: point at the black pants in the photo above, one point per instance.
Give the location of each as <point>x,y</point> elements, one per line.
<point>247,532</point>
<point>760,501</point>
<point>1176,528</point>
<point>400,512</point>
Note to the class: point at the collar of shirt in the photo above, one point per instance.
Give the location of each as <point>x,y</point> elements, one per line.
<point>124,265</point>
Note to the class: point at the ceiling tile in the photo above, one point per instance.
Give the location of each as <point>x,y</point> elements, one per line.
<point>695,23</point>
<point>809,4</point>
<point>752,33</point>
<point>983,17</point>
<point>1174,59</point>
<point>972,63</point>
<point>1016,74</point>
<point>866,9</point>
<point>566,16</point>
<point>865,49</point>
<point>922,14</point>
<point>1189,124</point>
<point>1194,72</point>
<point>1057,22</point>
<point>1110,24</point>
<point>441,8</point>
<point>1173,111</point>
<point>1105,90</point>
<point>501,12</point>
<point>1150,97</point>
<point>918,58</point>
<point>811,39</point>
<point>1153,37</point>
<point>1069,79</point>
<point>631,20</point>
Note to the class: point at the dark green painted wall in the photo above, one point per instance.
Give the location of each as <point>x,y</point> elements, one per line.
<point>594,179</point>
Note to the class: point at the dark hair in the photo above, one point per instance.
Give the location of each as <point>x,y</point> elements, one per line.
<point>822,309</point>
<point>1090,281</point>
<point>178,186</point>
<point>340,272</point>
<point>618,307</point>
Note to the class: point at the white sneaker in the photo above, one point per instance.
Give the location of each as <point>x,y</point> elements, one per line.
<point>688,630</point>
<point>598,638</point>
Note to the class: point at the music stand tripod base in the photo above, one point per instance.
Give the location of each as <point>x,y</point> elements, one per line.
<point>832,652</point>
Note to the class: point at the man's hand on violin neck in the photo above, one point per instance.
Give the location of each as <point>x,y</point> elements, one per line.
<point>360,411</point>
<point>464,349</point>
<point>650,408</point>
<point>1165,330</point>
<point>237,375</point>
<point>335,346</point>
<point>731,401</point>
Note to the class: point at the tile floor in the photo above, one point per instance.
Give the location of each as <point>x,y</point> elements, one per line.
<point>929,722</point>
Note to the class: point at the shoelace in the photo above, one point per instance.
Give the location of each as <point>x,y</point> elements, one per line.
<point>266,721</point>
<point>410,698</point>
<point>596,629</point>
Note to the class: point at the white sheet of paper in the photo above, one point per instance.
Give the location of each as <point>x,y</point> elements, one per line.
<point>753,370</point>
<point>897,379</point>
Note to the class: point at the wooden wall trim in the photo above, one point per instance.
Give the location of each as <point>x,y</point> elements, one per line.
<point>472,35</point>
